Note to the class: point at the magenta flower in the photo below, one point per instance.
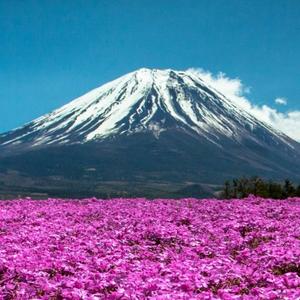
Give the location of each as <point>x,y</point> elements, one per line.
<point>150,249</point>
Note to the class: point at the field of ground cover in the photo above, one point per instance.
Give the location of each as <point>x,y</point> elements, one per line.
<point>150,249</point>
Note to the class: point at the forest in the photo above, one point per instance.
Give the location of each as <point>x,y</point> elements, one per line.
<point>242,187</point>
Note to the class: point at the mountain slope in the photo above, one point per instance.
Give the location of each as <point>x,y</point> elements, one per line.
<point>145,100</point>
<point>150,125</point>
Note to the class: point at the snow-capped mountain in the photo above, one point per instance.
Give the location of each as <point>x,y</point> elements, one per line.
<point>141,101</point>
<point>149,126</point>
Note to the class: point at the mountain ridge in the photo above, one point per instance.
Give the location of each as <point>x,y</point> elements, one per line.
<point>161,126</point>
<point>141,101</point>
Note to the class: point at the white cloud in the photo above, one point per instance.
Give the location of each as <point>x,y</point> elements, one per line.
<point>281,101</point>
<point>234,89</point>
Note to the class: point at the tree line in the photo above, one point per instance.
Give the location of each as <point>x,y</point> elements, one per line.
<point>242,187</point>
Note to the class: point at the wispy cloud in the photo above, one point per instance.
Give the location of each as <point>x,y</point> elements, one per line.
<point>234,89</point>
<point>281,101</point>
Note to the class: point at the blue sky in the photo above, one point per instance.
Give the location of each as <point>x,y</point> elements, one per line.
<point>53,51</point>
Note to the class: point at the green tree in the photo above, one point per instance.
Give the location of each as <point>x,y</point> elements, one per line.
<point>227,193</point>
<point>275,190</point>
<point>298,191</point>
<point>288,189</point>
<point>243,188</point>
<point>262,189</point>
<point>235,183</point>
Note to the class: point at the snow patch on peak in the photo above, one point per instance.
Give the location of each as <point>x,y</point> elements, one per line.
<point>156,128</point>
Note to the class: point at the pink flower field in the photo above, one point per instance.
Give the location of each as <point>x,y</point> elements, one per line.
<point>150,249</point>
